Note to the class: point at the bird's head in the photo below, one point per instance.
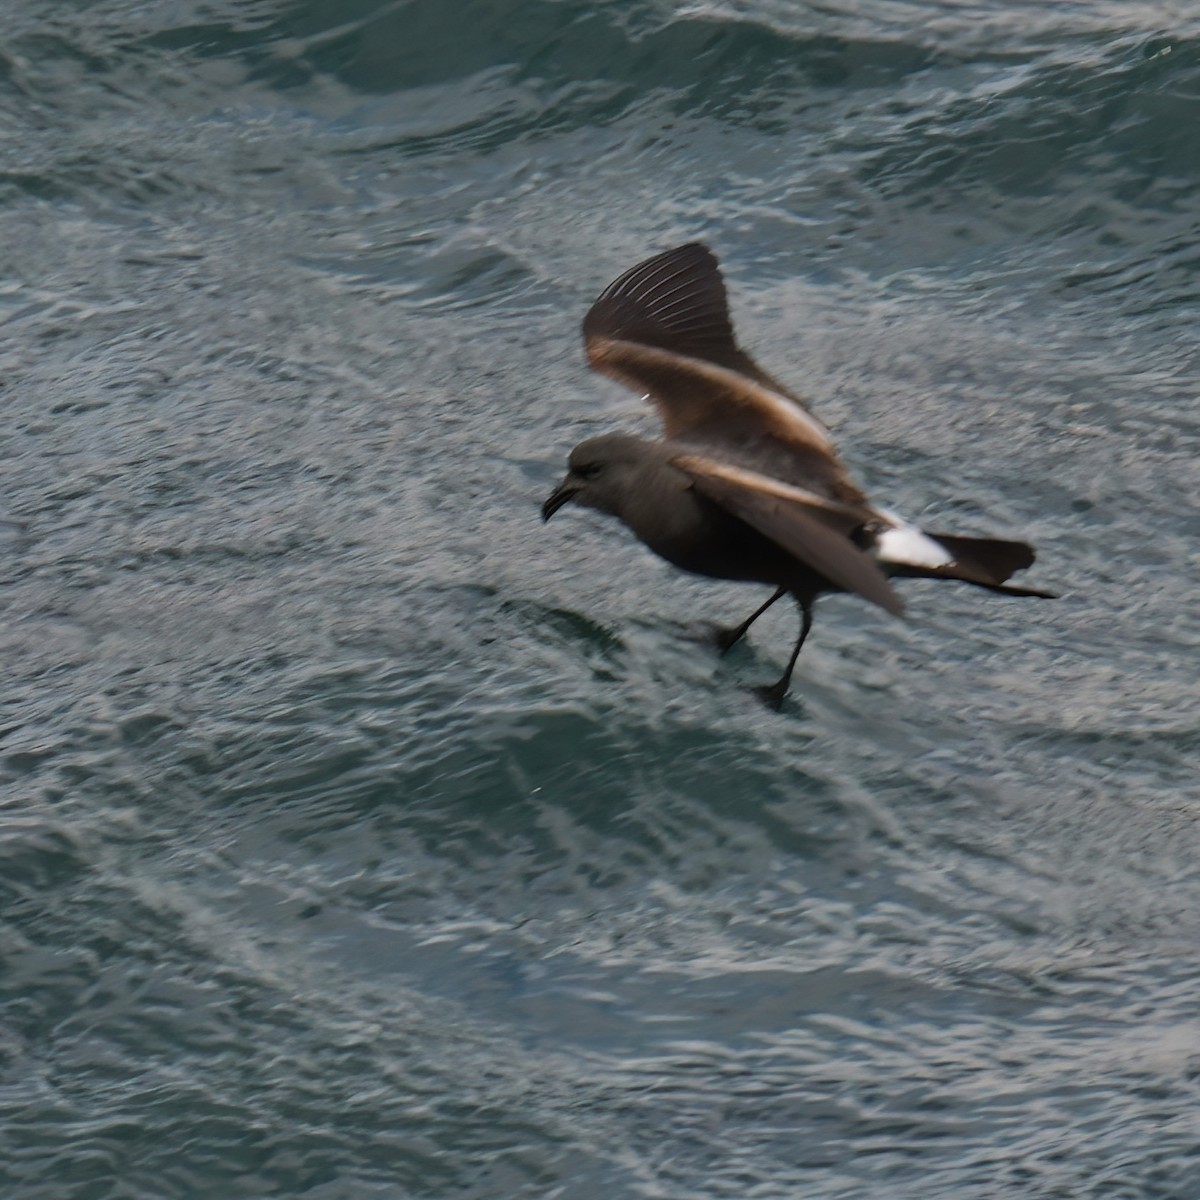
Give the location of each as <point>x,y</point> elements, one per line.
<point>602,473</point>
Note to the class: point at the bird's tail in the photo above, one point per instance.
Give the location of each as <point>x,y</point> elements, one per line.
<point>985,562</point>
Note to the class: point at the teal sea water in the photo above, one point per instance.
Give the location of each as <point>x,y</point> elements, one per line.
<point>360,837</point>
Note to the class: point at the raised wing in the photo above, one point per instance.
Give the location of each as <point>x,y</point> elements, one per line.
<point>663,328</point>
<point>675,301</point>
<point>813,529</point>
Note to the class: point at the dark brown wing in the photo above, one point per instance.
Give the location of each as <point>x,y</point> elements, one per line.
<point>675,301</point>
<point>813,529</point>
<point>663,328</point>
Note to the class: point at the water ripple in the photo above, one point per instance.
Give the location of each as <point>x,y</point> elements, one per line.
<point>360,836</point>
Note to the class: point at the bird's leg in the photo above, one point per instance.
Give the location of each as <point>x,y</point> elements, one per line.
<point>773,695</point>
<point>727,638</point>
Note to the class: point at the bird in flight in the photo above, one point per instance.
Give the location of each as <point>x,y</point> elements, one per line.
<point>746,483</point>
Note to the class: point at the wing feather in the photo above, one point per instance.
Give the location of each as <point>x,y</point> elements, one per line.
<point>676,301</point>
<point>699,399</point>
<point>813,529</point>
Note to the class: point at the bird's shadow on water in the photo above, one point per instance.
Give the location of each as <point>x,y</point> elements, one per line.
<point>690,652</point>
<point>564,623</point>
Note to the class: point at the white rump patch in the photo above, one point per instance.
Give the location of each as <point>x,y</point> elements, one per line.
<point>904,545</point>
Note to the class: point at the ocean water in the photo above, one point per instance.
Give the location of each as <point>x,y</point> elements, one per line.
<point>361,836</point>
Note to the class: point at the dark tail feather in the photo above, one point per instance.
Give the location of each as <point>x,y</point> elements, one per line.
<point>984,562</point>
<point>994,560</point>
<point>1007,589</point>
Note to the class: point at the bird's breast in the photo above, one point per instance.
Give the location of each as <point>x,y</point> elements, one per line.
<point>692,533</point>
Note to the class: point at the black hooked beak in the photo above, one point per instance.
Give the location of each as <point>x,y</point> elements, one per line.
<point>559,497</point>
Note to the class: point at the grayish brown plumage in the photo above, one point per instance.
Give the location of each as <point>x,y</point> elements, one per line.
<point>746,483</point>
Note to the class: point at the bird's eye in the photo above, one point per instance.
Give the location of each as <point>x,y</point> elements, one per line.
<point>589,470</point>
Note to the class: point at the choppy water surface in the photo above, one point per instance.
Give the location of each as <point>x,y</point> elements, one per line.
<point>362,837</point>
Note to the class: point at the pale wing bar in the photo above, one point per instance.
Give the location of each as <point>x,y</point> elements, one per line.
<point>841,514</point>
<point>676,301</point>
<point>692,395</point>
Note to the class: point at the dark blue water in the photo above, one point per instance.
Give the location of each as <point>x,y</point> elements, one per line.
<point>362,837</point>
